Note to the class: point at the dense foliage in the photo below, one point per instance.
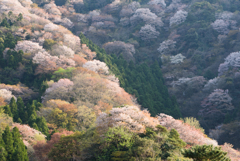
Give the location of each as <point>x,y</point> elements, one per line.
<point>143,81</point>
<point>104,97</point>
<point>12,146</point>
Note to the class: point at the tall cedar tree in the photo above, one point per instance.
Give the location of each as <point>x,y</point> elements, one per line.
<point>20,153</point>
<point>8,140</point>
<point>14,109</point>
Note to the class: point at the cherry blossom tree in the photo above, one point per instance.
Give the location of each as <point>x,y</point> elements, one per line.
<point>20,90</point>
<point>51,27</point>
<point>178,18</point>
<point>214,84</point>
<point>72,41</point>
<point>7,95</point>
<point>187,86</point>
<point>65,22</point>
<point>97,66</point>
<point>59,90</point>
<point>224,22</point>
<point>51,8</point>
<point>167,47</point>
<point>62,50</point>
<point>29,47</point>
<point>177,59</point>
<point>130,117</point>
<point>221,26</point>
<point>148,33</point>
<point>157,2</point>
<point>187,133</point>
<point>119,47</point>
<point>48,63</point>
<point>134,6</point>
<point>215,107</point>
<point>232,60</point>
<point>146,16</point>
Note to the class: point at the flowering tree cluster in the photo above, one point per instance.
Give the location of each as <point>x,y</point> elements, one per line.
<point>224,22</point>
<point>58,90</point>
<point>29,135</point>
<point>51,27</point>
<point>118,94</point>
<point>146,16</point>
<point>128,10</point>
<point>175,5</point>
<point>51,8</point>
<point>20,90</point>
<point>167,47</point>
<point>89,89</point>
<point>218,99</point>
<point>188,86</point>
<point>119,47</point>
<point>215,107</point>
<point>14,5</point>
<point>232,60</point>
<point>97,66</point>
<point>214,84</point>
<point>130,117</point>
<point>42,148</point>
<point>113,7</point>
<point>157,2</point>
<point>178,18</point>
<point>221,26</point>
<point>72,41</point>
<point>148,33</point>
<point>64,22</point>
<point>62,50</point>
<point>29,47</point>
<point>48,63</point>
<point>187,133</point>
<point>7,95</point>
<point>177,59</point>
<point>39,11</point>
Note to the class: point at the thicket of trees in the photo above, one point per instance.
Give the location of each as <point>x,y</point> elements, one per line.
<point>143,81</point>
<point>12,147</point>
<point>26,114</point>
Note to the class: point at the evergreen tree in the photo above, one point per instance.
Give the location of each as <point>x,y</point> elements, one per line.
<point>5,23</point>
<point>35,126</point>
<point>20,153</point>
<point>21,109</point>
<point>3,154</point>
<point>8,140</point>
<point>9,41</point>
<point>31,110</point>
<point>206,153</point>
<point>14,109</point>
<point>7,110</point>
<point>32,120</point>
<point>19,121</point>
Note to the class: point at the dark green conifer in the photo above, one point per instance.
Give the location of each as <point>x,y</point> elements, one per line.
<point>3,154</point>
<point>35,126</point>
<point>205,153</point>
<point>8,140</point>
<point>21,109</point>
<point>42,125</point>
<point>7,110</point>
<point>20,153</point>
<point>14,109</point>
<point>32,120</point>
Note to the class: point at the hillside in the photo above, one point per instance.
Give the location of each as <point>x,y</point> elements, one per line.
<point>118,80</point>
